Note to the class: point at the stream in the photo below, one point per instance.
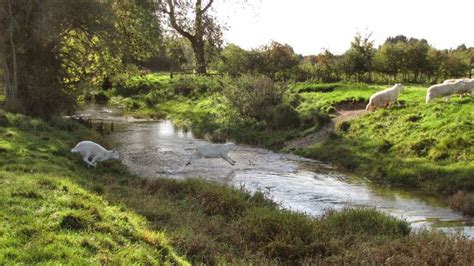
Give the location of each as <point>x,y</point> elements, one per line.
<point>158,149</point>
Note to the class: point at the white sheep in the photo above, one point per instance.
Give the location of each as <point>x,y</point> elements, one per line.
<point>384,97</point>
<point>97,153</point>
<point>466,87</point>
<point>451,80</point>
<point>445,90</point>
<point>213,151</point>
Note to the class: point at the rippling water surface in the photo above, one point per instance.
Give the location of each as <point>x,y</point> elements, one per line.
<point>158,149</point>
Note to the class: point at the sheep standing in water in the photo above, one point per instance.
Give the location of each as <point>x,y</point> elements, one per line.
<point>97,153</point>
<point>385,97</point>
<point>214,151</point>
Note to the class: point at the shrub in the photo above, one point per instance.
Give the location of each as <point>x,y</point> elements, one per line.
<point>366,221</point>
<point>194,85</point>
<point>254,96</point>
<point>283,116</point>
<point>315,117</point>
<point>100,97</point>
<point>126,85</point>
<point>132,105</point>
<point>463,202</point>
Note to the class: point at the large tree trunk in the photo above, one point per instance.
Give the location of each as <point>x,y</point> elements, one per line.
<point>196,39</point>
<point>10,69</point>
<point>198,48</point>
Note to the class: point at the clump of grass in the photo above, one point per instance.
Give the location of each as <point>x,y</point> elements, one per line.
<point>206,222</point>
<point>463,202</point>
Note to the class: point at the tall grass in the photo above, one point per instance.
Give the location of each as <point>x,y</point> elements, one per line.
<point>56,210</point>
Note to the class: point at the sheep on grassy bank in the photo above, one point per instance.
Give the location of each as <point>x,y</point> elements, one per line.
<point>447,89</point>
<point>214,151</point>
<point>466,87</point>
<point>97,153</point>
<point>385,97</point>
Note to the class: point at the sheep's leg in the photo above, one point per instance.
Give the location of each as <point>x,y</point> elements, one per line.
<point>228,159</point>
<point>94,161</point>
<point>86,160</point>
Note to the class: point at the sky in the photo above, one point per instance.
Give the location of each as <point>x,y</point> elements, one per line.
<point>310,26</point>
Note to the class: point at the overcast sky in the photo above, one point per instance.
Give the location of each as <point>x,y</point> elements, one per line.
<point>312,25</point>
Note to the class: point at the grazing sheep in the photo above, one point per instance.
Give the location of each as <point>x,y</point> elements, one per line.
<point>214,151</point>
<point>466,87</point>
<point>455,80</point>
<point>445,90</point>
<point>97,153</point>
<point>385,97</point>
<point>451,80</point>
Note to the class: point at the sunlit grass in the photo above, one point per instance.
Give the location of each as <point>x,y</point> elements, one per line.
<point>56,210</point>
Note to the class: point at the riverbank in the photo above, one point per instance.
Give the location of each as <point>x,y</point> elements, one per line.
<point>428,147</point>
<point>54,205</point>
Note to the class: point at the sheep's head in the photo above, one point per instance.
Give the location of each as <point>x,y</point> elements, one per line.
<point>114,155</point>
<point>231,146</point>
<point>399,86</point>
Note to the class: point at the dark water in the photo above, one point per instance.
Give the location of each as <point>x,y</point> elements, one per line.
<point>158,149</point>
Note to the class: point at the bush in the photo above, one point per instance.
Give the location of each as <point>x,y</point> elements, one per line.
<point>255,96</point>
<point>283,116</point>
<point>195,85</point>
<point>126,85</point>
<point>100,97</point>
<point>132,105</point>
<point>315,117</point>
<point>463,202</point>
<point>365,221</point>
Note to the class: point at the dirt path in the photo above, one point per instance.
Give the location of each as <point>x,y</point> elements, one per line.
<point>344,111</point>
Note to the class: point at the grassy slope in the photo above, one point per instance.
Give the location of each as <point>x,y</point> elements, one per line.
<point>428,146</point>
<point>56,210</point>
<point>417,145</point>
<point>45,216</point>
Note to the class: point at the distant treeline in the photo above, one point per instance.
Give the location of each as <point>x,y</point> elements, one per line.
<point>48,59</point>
<point>398,59</point>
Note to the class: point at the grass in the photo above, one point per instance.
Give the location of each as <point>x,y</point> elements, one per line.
<point>47,217</point>
<point>56,210</point>
<point>429,147</point>
<point>416,145</point>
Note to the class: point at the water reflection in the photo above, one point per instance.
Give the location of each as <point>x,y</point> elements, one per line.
<point>156,148</point>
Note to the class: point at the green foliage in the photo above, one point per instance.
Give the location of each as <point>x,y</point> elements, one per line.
<point>254,96</point>
<point>52,219</point>
<point>61,212</point>
<point>429,147</point>
<point>234,61</point>
<point>358,59</point>
<point>365,221</point>
<point>52,57</point>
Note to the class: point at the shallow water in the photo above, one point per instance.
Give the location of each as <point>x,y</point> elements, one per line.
<point>158,149</point>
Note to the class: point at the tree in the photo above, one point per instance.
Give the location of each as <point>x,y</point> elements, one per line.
<point>389,59</point>
<point>234,60</point>
<point>46,55</point>
<point>358,59</point>
<point>201,30</point>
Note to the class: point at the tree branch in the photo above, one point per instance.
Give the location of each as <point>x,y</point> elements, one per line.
<point>175,25</point>
<point>207,6</point>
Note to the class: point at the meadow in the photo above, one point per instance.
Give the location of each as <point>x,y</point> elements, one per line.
<point>428,147</point>
<point>55,209</point>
